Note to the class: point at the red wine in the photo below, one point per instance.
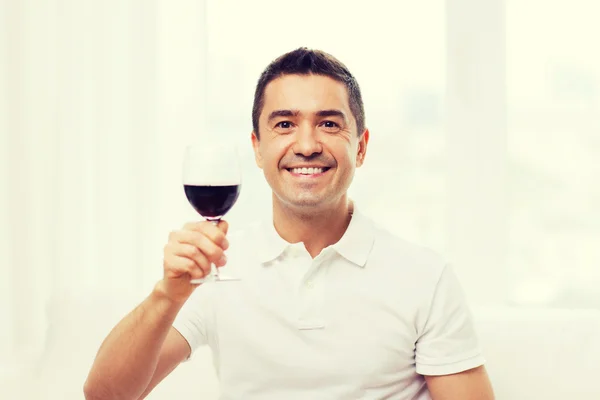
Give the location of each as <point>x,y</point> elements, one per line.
<point>212,202</point>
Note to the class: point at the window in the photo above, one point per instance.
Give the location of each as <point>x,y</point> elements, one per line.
<point>553,75</point>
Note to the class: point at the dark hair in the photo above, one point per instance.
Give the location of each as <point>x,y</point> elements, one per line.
<point>304,61</point>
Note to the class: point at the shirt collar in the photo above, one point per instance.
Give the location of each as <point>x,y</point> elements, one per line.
<point>272,245</point>
<point>357,242</point>
<point>355,245</point>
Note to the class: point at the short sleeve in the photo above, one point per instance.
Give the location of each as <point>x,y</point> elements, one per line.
<point>192,320</point>
<point>448,342</point>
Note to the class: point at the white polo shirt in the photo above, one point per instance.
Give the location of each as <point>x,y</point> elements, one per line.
<point>365,319</point>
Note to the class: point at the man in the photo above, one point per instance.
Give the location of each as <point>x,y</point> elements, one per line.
<point>326,305</point>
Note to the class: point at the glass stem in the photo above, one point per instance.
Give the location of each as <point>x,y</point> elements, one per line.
<point>215,221</point>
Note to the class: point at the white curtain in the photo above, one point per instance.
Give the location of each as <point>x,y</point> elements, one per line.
<point>97,100</point>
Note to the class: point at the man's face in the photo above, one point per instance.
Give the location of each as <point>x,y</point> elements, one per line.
<point>308,147</point>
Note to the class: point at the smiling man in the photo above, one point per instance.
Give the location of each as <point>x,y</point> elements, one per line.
<point>327,305</point>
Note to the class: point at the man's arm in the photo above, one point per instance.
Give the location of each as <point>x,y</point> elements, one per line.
<point>144,347</point>
<point>139,352</point>
<point>174,351</point>
<point>473,384</point>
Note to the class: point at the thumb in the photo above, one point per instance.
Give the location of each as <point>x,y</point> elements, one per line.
<point>223,226</point>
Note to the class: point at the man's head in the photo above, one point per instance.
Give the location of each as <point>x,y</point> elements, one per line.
<point>304,61</point>
<point>308,136</point>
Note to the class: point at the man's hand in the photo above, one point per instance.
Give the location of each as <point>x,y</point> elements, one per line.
<point>189,254</point>
<point>472,384</point>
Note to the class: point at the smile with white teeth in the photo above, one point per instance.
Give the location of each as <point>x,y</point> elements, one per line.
<point>307,171</point>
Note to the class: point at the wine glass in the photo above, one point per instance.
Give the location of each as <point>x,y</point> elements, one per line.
<point>211,181</point>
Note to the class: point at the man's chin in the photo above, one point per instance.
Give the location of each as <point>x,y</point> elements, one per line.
<point>305,202</point>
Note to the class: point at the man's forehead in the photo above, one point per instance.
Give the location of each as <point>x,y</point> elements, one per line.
<point>307,93</point>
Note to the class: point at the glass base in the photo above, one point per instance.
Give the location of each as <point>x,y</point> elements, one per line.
<point>213,278</point>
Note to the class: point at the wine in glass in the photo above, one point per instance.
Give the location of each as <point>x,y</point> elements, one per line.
<point>211,181</point>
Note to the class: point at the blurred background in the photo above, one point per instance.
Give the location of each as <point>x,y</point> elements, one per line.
<point>484,119</point>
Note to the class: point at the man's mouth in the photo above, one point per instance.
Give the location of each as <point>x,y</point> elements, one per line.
<point>308,171</point>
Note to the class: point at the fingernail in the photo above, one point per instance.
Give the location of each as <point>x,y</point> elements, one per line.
<point>222,260</point>
<point>225,243</point>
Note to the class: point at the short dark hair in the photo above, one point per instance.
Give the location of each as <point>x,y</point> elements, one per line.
<point>304,61</point>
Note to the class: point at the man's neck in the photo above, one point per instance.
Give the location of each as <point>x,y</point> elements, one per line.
<point>316,229</point>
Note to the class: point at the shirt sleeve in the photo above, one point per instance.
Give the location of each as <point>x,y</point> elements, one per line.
<point>448,342</point>
<point>192,320</point>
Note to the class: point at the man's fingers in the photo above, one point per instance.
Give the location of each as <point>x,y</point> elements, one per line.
<point>181,258</point>
<point>190,251</point>
<point>216,233</point>
<point>223,226</point>
<point>209,249</point>
<point>203,243</point>
<point>176,266</point>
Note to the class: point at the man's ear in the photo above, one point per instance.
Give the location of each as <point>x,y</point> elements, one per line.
<point>363,141</point>
<point>256,148</point>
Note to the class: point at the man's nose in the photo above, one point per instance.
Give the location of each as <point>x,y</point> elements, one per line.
<point>307,141</point>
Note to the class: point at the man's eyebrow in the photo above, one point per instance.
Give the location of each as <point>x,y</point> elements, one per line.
<point>331,113</point>
<point>283,113</point>
<point>294,113</point>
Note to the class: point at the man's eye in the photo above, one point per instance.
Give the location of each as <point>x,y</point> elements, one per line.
<point>330,126</point>
<point>284,125</point>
